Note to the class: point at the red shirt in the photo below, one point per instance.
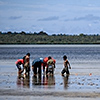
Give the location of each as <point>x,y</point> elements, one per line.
<point>46,59</point>
<point>19,60</point>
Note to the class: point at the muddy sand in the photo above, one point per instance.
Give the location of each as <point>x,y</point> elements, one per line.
<point>16,94</point>
<point>83,83</point>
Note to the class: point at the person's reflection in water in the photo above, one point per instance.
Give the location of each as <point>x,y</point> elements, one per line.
<point>26,82</point>
<point>44,80</point>
<point>48,80</point>
<point>19,82</point>
<point>23,82</point>
<point>36,80</point>
<point>65,78</point>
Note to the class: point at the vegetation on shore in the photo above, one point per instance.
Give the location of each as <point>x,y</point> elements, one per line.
<point>44,38</point>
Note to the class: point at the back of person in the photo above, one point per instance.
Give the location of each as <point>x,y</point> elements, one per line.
<point>37,61</point>
<point>19,61</point>
<point>50,66</point>
<point>37,64</point>
<point>50,62</point>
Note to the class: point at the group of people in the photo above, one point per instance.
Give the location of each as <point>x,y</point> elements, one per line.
<point>46,64</point>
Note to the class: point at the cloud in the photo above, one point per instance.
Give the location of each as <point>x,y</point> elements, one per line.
<point>33,25</point>
<point>49,18</point>
<point>89,17</point>
<point>15,17</point>
<point>3,2</point>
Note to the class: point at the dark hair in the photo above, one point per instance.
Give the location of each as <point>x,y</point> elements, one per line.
<point>64,57</point>
<point>49,57</point>
<point>28,54</point>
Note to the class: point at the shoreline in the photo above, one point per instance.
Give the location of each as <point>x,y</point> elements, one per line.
<point>49,45</point>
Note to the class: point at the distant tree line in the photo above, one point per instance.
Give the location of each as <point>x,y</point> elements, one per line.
<point>44,38</point>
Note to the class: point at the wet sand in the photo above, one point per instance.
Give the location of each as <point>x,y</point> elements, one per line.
<point>83,83</point>
<point>32,94</point>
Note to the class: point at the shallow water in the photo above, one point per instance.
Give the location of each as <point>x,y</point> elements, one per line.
<point>84,75</point>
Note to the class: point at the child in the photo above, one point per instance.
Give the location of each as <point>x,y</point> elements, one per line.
<point>45,60</point>
<point>27,64</point>
<point>19,63</point>
<point>66,65</point>
<point>50,65</point>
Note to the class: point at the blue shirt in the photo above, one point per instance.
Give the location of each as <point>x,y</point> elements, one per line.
<point>40,60</point>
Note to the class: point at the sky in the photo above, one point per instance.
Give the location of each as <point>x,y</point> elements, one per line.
<point>50,16</point>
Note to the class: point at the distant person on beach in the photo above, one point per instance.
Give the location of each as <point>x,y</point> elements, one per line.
<point>37,64</point>
<point>27,64</point>
<point>19,64</point>
<point>66,66</point>
<point>45,60</point>
<point>50,66</point>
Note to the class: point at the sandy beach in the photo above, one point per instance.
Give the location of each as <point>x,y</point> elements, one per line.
<point>83,82</point>
<point>81,85</point>
<point>38,94</point>
<point>11,94</point>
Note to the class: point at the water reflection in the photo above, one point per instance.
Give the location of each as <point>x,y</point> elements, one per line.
<point>44,80</point>
<point>49,80</point>
<point>65,79</point>
<point>23,82</point>
<point>36,80</point>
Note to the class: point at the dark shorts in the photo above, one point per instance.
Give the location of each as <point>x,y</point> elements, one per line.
<point>65,70</point>
<point>37,66</point>
<point>27,69</point>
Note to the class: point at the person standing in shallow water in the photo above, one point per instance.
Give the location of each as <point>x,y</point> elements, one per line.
<point>27,64</point>
<point>66,66</point>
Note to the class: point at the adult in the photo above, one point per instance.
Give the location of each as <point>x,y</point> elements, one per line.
<point>37,64</point>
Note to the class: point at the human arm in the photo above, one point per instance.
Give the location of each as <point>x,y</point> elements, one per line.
<point>32,67</point>
<point>69,65</point>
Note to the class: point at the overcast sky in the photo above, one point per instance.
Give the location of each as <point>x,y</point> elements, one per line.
<point>51,16</point>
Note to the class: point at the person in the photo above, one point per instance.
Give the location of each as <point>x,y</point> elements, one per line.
<point>45,63</point>
<point>66,65</point>
<point>27,64</point>
<point>45,60</point>
<point>37,63</point>
<point>50,66</point>
<point>19,63</point>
